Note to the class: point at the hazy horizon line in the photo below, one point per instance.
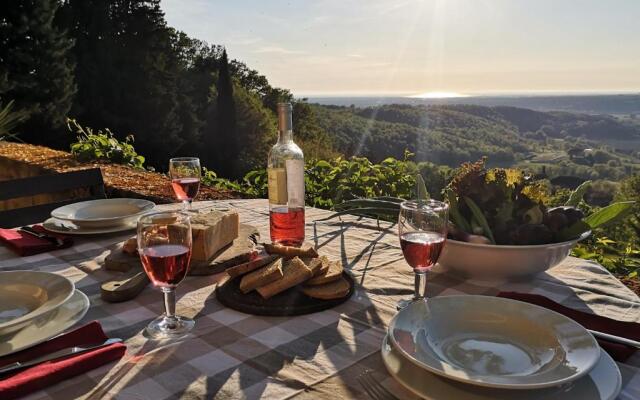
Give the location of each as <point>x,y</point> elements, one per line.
<point>496,93</point>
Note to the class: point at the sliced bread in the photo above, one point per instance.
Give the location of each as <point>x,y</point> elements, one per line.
<point>318,265</point>
<point>252,265</point>
<point>333,273</point>
<point>260,277</point>
<point>328,291</point>
<point>295,272</point>
<point>306,251</point>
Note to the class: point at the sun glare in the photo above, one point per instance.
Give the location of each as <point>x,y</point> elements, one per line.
<point>438,95</point>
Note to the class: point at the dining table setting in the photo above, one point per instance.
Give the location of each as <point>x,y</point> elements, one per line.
<point>122,298</point>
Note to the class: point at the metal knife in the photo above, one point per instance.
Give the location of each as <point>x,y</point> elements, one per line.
<point>614,338</point>
<point>29,230</point>
<point>69,351</point>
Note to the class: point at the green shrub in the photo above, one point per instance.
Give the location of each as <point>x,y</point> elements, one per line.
<point>94,146</point>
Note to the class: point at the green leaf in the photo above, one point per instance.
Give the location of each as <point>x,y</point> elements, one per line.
<point>455,214</point>
<point>577,195</point>
<point>421,189</point>
<point>609,213</point>
<point>479,216</point>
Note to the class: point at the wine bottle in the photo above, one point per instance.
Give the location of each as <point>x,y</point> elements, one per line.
<point>285,170</point>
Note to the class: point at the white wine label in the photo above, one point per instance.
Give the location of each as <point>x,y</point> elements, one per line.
<point>277,184</point>
<point>295,182</point>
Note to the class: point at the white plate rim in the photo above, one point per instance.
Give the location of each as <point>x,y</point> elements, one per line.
<point>514,386</point>
<point>39,311</point>
<point>51,225</point>
<point>59,325</point>
<point>384,355</point>
<point>145,206</point>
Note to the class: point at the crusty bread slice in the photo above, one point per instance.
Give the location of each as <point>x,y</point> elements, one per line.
<point>252,265</point>
<point>295,272</point>
<point>306,251</point>
<point>260,277</point>
<point>328,291</point>
<point>318,265</point>
<point>332,274</point>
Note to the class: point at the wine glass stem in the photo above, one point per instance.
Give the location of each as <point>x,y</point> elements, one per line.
<point>185,205</point>
<point>420,291</point>
<point>169,302</point>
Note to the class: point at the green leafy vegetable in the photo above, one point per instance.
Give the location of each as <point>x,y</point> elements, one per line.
<point>454,212</point>
<point>609,213</point>
<point>573,232</point>
<point>577,195</point>
<point>421,189</point>
<point>480,219</point>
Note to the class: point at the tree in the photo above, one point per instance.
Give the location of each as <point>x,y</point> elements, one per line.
<point>222,141</point>
<point>35,69</point>
<point>130,73</point>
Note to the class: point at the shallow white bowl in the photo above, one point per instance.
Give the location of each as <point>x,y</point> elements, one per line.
<point>602,383</point>
<point>103,213</point>
<point>493,342</point>
<point>25,295</point>
<point>497,261</point>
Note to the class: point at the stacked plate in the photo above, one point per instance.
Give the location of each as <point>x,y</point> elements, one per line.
<point>36,306</point>
<point>481,348</point>
<point>97,216</point>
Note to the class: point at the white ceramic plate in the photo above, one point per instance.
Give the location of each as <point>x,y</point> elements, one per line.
<point>67,228</point>
<point>498,261</point>
<point>103,213</point>
<point>494,342</point>
<point>47,326</point>
<point>602,383</point>
<point>25,295</point>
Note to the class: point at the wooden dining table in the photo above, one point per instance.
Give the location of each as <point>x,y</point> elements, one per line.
<point>232,355</point>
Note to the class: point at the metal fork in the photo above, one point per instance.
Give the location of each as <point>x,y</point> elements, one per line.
<point>374,389</point>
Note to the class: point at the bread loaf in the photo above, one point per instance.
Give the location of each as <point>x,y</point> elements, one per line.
<point>213,231</point>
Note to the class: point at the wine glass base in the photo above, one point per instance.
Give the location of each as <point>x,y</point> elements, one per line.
<point>169,328</point>
<point>405,302</point>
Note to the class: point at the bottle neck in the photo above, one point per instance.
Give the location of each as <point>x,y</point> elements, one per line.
<point>285,136</point>
<point>285,123</point>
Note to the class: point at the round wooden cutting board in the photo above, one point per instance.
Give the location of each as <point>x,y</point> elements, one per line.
<point>290,302</point>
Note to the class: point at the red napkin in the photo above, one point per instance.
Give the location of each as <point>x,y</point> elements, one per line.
<point>46,374</point>
<point>617,351</point>
<point>27,245</point>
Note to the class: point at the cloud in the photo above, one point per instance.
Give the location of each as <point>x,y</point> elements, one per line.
<point>277,50</point>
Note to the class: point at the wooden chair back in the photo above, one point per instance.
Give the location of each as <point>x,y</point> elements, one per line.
<point>74,186</point>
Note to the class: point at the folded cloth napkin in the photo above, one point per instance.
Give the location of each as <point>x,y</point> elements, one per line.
<point>51,372</point>
<point>617,351</point>
<point>25,244</point>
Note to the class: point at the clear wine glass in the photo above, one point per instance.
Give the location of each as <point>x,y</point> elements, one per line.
<point>185,179</point>
<point>422,228</point>
<point>164,245</point>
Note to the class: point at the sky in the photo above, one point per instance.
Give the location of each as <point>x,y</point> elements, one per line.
<point>413,47</point>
